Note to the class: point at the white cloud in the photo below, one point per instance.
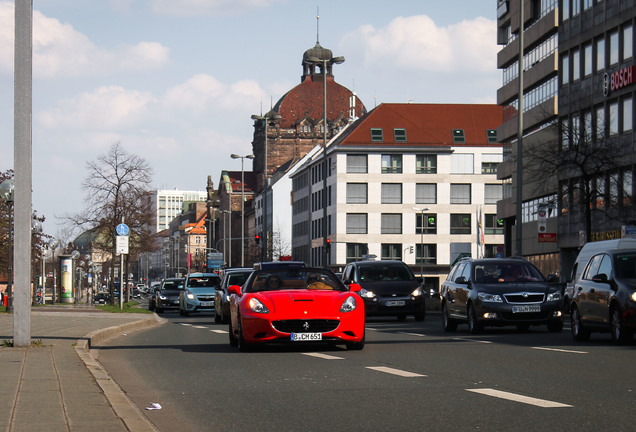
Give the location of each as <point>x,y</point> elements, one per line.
<point>60,50</point>
<point>417,43</point>
<point>207,7</point>
<point>106,108</point>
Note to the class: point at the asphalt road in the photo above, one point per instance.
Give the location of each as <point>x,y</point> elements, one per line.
<point>411,376</point>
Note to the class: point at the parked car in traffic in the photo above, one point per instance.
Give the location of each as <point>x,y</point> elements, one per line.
<point>605,297</point>
<point>198,293</point>
<point>231,276</point>
<point>101,298</point>
<point>500,292</point>
<point>388,287</point>
<point>167,296</point>
<point>295,304</point>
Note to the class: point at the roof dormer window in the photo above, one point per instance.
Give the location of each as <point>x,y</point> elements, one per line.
<point>458,136</point>
<point>399,135</point>
<point>376,135</point>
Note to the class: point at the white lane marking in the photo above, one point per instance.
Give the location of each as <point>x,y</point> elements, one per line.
<point>371,328</point>
<point>412,334</point>
<point>472,340</point>
<point>199,327</point>
<point>219,331</point>
<point>519,398</point>
<point>186,324</point>
<point>560,350</point>
<point>323,356</point>
<point>395,371</point>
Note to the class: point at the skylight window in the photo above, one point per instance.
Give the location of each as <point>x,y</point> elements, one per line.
<point>376,135</point>
<point>399,134</point>
<point>458,136</point>
<point>491,134</point>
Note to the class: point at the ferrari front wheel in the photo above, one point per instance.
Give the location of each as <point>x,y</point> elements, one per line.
<point>356,346</point>
<point>242,345</point>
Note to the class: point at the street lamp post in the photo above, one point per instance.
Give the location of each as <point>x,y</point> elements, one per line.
<point>7,188</point>
<point>242,158</point>
<point>421,240</point>
<point>264,245</point>
<point>336,60</point>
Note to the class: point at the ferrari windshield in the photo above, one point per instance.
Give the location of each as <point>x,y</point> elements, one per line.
<point>294,279</point>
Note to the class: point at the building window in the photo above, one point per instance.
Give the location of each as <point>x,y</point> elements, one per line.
<point>376,135</point>
<point>462,163</point>
<point>587,4</point>
<point>356,251</point>
<point>197,240</point>
<point>426,193</point>
<point>458,136</point>
<point>565,69</point>
<point>565,14</point>
<point>627,115</point>
<point>613,48</point>
<point>493,225</point>
<point>600,54</point>
<point>493,193</point>
<point>426,254</point>
<point>491,135</point>
<point>628,41</point>
<point>391,223</point>
<point>426,164</point>
<point>600,123</point>
<point>613,118</point>
<point>425,223</point>
<point>391,193</point>
<point>357,193</point>
<point>356,223</point>
<point>357,164</point>
<point>460,193</point>
<point>587,60</point>
<point>489,162</point>
<point>490,250</point>
<point>399,135</point>
<point>392,164</point>
<point>460,223</point>
<point>627,188</point>
<point>392,251</point>
<point>576,65</point>
<point>576,7</point>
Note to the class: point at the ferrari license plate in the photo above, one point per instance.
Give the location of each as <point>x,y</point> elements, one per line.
<point>395,303</point>
<point>529,308</point>
<point>207,303</point>
<point>300,337</point>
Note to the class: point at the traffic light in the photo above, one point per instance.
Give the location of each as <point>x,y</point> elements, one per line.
<point>257,238</point>
<point>328,246</point>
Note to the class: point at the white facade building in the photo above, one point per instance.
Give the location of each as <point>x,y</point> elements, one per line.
<point>169,204</point>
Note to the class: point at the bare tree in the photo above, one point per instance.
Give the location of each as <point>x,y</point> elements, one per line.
<point>117,191</point>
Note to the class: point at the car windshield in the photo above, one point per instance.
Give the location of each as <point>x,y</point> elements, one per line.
<point>506,272</point>
<point>384,272</point>
<point>626,266</point>
<point>172,285</point>
<point>294,279</point>
<point>202,281</point>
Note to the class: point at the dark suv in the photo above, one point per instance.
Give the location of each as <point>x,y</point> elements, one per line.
<point>500,292</point>
<point>388,288</point>
<point>604,297</point>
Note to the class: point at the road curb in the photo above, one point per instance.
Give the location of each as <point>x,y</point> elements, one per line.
<point>132,417</point>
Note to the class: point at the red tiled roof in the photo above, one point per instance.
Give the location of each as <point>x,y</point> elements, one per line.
<point>235,181</point>
<point>427,124</point>
<point>306,99</point>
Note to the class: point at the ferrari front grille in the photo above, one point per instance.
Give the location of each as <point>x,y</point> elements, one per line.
<point>308,325</point>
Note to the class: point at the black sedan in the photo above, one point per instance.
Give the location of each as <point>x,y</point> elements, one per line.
<point>231,276</point>
<point>167,296</point>
<point>604,298</point>
<point>500,292</point>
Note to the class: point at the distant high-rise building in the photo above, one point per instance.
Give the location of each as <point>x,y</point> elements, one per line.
<point>171,203</point>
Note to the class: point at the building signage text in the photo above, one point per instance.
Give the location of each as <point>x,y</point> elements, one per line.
<point>619,79</point>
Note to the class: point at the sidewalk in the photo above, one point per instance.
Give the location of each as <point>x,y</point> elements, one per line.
<point>57,385</point>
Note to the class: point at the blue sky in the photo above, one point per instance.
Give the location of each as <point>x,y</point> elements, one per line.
<point>175,81</point>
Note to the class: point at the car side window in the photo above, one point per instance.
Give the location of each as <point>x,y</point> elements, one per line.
<point>592,267</point>
<point>605,267</point>
<point>458,271</point>
<point>466,272</point>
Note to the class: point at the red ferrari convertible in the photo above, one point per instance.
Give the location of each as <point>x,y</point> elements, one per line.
<point>295,304</point>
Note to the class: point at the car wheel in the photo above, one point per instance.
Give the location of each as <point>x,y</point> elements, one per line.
<point>474,326</point>
<point>620,335</point>
<point>579,333</point>
<point>448,323</point>
<point>242,345</point>
<point>421,315</point>
<point>233,339</point>
<point>555,326</point>
<point>356,346</point>
<point>217,317</point>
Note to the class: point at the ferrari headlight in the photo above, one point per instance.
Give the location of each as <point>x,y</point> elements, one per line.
<point>416,292</point>
<point>487,297</point>
<point>257,306</point>
<point>366,293</point>
<point>554,296</point>
<point>189,295</point>
<point>348,305</point>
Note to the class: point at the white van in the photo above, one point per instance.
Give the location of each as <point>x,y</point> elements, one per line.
<point>584,256</point>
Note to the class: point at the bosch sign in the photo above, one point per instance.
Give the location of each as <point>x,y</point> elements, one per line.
<point>619,79</point>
